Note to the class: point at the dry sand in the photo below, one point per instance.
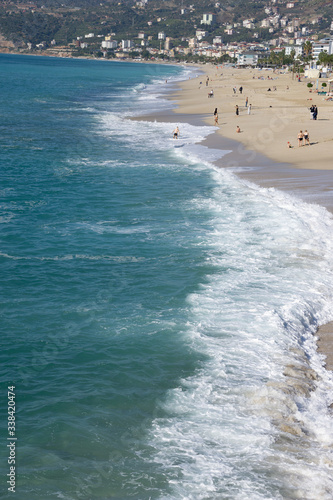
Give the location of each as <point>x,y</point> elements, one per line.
<point>276,116</point>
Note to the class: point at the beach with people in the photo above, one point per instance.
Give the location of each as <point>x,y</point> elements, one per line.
<point>270,126</point>
<point>276,116</point>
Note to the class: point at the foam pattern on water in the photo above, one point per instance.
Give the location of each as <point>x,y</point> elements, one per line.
<point>254,421</point>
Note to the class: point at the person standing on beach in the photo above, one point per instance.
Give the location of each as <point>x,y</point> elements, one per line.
<point>246,102</point>
<point>237,110</point>
<point>312,111</point>
<point>249,109</point>
<point>240,90</point>
<point>306,138</point>
<point>315,112</point>
<point>300,138</point>
<point>216,119</point>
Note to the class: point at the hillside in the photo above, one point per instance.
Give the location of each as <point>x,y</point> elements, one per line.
<point>34,22</point>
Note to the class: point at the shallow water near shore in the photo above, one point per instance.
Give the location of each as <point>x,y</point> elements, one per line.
<point>159,313</point>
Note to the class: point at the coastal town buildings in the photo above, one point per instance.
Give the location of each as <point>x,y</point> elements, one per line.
<point>247,39</point>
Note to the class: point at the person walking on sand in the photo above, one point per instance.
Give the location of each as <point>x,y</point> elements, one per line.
<point>216,119</point>
<point>300,138</point>
<point>249,109</point>
<point>306,138</point>
<point>311,109</point>
<point>176,133</point>
<point>237,110</point>
<point>315,112</point>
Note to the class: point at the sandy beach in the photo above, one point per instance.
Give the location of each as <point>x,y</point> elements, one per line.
<point>266,150</point>
<point>276,116</point>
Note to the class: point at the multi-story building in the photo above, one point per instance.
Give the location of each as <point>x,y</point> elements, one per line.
<point>200,34</point>
<point>324,45</point>
<point>297,48</point>
<point>208,19</point>
<point>248,23</point>
<point>109,44</point>
<point>127,44</point>
<point>168,43</point>
<point>247,59</point>
<point>265,23</point>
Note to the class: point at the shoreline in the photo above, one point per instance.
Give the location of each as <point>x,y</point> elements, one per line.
<point>313,185</point>
<point>63,55</point>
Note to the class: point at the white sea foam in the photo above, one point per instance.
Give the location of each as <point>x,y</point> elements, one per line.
<point>107,227</point>
<point>159,135</point>
<point>151,97</point>
<point>55,258</point>
<point>254,421</point>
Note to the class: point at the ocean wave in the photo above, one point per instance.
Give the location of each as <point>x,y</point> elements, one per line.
<point>254,421</point>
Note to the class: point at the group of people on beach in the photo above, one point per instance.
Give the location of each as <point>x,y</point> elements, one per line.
<point>303,138</point>
<point>235,90</point>
<point>247,105</point>
<point>314,111</point>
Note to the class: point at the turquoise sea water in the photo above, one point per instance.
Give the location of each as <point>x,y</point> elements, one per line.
<point>157,312</point>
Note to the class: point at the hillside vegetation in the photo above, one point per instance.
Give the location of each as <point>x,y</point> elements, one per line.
<point>64,20</point>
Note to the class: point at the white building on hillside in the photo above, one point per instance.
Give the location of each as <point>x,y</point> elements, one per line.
<point>324,45</point>
<point>109,44</point>
<point>248,23</point>
<point>297,48</point>
<point>265,23</point>
<point>127,44</point>
<point>200,34</point>
<point>208,19</point>
<point>217,40</point>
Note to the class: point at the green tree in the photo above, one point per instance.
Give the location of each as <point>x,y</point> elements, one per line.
<point>307,48</point>
<point>325,59</point>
